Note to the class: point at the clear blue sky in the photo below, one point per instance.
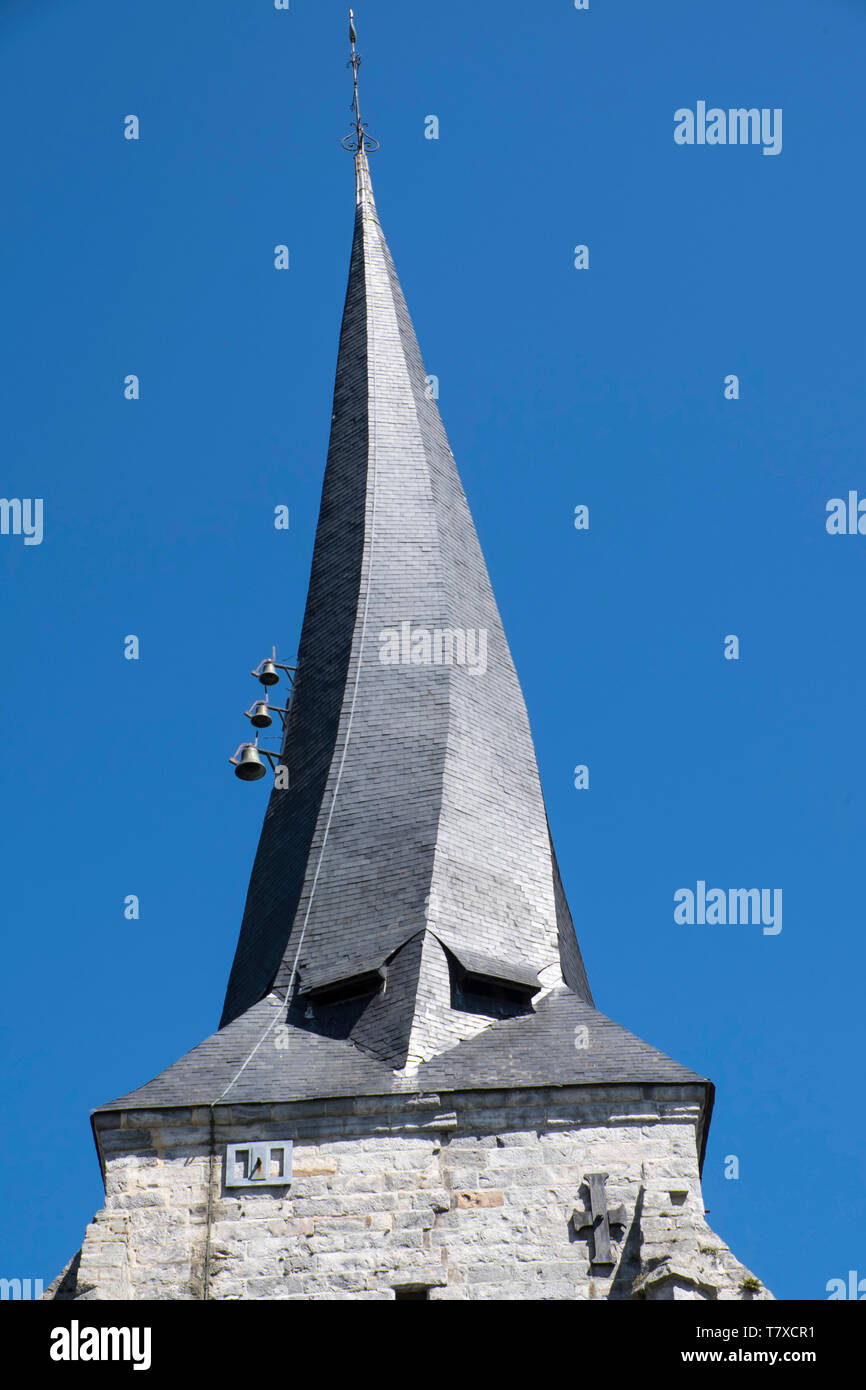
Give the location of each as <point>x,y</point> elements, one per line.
<point>557,387</point>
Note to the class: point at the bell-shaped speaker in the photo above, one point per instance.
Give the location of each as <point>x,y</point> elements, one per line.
<point>250,767</point>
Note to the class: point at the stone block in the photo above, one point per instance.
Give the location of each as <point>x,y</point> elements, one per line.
<point>472,1200</point>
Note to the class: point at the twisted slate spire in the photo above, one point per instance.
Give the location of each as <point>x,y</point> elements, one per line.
<point>405,926</point>
<point>412,837</point>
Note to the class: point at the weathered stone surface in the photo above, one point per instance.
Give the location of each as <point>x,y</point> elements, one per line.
<point>482,1212</point>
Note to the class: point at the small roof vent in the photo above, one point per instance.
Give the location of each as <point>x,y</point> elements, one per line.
<point>349,980</point>
<point>474,969</point>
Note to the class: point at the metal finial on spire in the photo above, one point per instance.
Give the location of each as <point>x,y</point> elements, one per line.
<point>359,139</point>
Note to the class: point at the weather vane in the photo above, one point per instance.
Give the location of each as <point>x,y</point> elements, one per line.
<point>359,139</point>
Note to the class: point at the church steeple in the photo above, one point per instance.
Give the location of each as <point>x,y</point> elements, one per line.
<point>405,911</point>
<point>411,1091</point>
<point>412,835</point>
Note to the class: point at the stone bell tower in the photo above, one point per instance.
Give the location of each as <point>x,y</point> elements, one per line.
<point>411,1093</point>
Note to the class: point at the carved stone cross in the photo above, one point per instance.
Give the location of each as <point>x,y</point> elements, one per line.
<point>599,1218</point>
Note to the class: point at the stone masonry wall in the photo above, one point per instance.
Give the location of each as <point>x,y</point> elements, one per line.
<point>470,1196</point>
